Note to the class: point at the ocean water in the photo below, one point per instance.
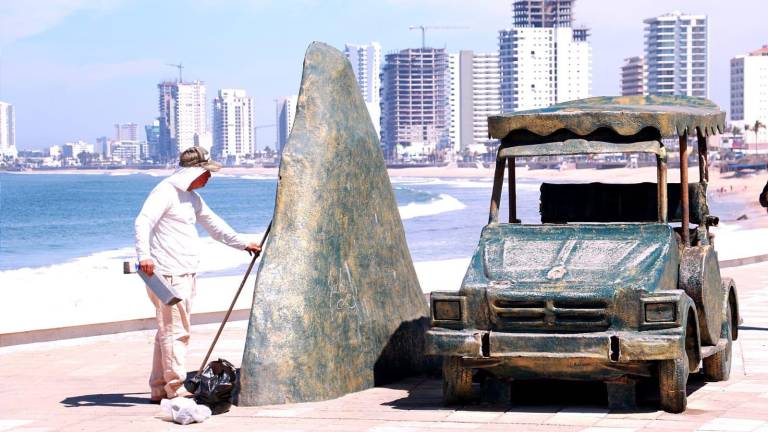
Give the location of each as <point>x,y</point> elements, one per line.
<point>52,219</point>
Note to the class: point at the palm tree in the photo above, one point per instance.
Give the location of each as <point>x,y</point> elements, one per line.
<point>756,128</point>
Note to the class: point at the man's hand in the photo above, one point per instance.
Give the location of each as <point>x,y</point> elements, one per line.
<point>148,267</point>
<point>253,248</point>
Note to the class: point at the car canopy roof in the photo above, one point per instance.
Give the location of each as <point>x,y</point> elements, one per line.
<point>635,121</point>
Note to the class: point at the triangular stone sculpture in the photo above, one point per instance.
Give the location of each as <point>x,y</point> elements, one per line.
<point>337,306</point>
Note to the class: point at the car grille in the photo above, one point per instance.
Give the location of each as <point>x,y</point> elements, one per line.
<point>549,315</point>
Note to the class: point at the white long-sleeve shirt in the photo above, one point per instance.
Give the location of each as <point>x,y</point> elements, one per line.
<point>165,227</point>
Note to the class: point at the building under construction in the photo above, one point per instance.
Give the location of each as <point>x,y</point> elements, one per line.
<point>414,99</point>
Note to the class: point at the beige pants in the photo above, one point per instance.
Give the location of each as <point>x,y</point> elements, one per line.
<point>172,339</point>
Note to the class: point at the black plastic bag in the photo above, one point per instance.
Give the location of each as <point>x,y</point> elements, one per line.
<point>214,387</point>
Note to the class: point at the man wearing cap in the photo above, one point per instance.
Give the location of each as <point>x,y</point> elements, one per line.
<point>167,243</point>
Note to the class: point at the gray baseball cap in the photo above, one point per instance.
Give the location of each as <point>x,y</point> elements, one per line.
<point>197,157</point>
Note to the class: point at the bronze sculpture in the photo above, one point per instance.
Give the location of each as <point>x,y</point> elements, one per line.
<point>337,306</point>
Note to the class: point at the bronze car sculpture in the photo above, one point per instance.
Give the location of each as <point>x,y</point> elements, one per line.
<point>619,282</point>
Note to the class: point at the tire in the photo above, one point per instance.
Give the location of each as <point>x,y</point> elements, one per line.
<point>673,378</point>
<point>457,381</point>
<point>718,366</point>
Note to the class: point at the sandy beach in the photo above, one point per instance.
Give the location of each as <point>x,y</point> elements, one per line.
<point>101,282</point>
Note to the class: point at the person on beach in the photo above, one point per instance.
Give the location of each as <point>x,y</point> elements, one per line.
<point>167,243</point>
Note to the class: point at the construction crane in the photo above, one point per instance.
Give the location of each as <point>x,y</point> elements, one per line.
<point>177,66</point>
<point>424,29</point>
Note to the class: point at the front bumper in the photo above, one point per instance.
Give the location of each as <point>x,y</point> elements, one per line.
<point>490,347</point>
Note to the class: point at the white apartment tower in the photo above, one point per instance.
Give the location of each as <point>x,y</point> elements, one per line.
<point>474,95</point>
<point>633,77</point>
<point>486,93</point>
<point>454,102</point>
<point>232,125</point>
<point>366,64</point>
<point>543,59</point>
<point>749,88</point>
<point>182,117</point>
<point>7,131</point>
<point>676,55</point>
<point>285,115</point>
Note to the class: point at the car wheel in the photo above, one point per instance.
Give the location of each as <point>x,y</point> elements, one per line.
<point>718,366</point>
<point>457,381</point>
<point>673,377</point>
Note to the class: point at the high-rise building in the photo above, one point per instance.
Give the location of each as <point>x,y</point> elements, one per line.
<point>232,125</point>
<point>182,117</point>
<point>455,90</point>
<point>474,95</point>
<point>126,132</point>
<point>633,79</point>
<point>676,55</point>
<point>103,146</point>
<point>152,133</point>
<point>543,58</point>
<point>542,13</point>
<point>415,99</point>
<point>366,64</point>
<point>7,131</point>
<point>486,94</point>
<point>749,89</point>
<point>285,113</point>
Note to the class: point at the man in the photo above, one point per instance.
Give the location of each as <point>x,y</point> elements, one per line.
<point>167,243</point>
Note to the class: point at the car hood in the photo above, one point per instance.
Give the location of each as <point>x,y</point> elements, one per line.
<point>572,256</point>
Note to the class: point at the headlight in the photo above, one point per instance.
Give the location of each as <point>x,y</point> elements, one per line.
<point>660,312</point>
<point>446,310</point>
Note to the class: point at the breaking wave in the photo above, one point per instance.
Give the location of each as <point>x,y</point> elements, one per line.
<point>442,204</point>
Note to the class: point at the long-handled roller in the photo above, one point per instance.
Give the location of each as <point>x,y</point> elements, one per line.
<point>192,383</point>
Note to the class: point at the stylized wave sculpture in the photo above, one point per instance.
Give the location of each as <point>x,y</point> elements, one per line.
<point>337,306</point>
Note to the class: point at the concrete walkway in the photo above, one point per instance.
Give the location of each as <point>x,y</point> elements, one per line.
<point>99,384</point>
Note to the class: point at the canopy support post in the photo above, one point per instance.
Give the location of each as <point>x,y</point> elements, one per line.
<point>498,181</point>
<point>512,186</point>
<point>684,231</point>
<point>661,180</point>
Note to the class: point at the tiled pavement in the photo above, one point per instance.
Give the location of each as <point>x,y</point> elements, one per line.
<point>98,384</point>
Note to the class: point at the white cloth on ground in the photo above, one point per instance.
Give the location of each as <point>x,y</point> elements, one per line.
<point>184,411</point>
<point>165,227</point>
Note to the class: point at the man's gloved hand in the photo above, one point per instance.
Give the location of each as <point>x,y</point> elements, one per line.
<point>253,248</point>
<point>148,267</point>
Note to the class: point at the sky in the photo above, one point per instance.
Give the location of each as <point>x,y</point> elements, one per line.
<point>73,68</point>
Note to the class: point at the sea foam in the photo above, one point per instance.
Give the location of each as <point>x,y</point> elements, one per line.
<point>444,203</point>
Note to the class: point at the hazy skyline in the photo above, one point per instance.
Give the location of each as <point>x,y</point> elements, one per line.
<point>73,68</point>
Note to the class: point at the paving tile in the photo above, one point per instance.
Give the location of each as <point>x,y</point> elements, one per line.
<point>622,423</point>
<point>524,417</point>
<point>8,424</point>
<point>474,416</point>
<point>572,419</point>
<point>435,425</point>
<point>609,429</point>
<point>668,425</point>
<point>732,424</point>
<point>638,414</point>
